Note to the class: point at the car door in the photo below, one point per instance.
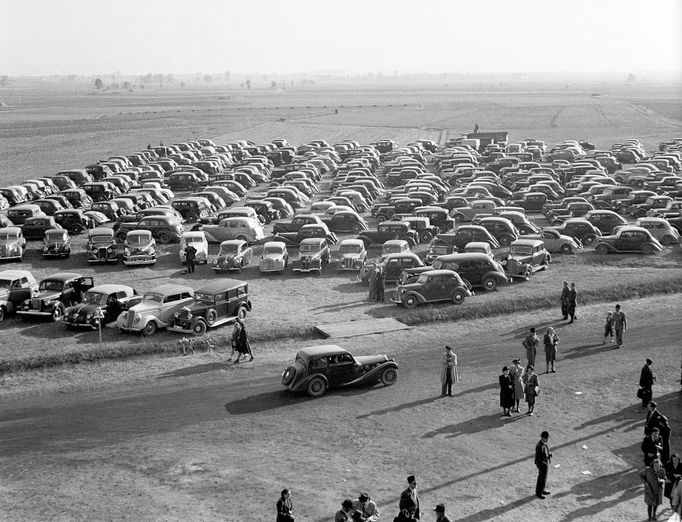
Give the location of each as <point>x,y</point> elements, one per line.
<point>19,291</point>
<point>342,369</point>
<point>393,270</point>
<point>439,288</point>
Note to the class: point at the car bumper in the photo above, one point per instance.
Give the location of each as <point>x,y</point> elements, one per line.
<point>180,329</point>
<point>139,260</point>
<point>34,313</point>
<point>76,324</point>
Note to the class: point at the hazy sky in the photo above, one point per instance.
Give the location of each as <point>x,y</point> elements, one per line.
<point>40,37</point>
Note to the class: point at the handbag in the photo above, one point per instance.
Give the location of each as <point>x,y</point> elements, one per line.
<point>640,393</point>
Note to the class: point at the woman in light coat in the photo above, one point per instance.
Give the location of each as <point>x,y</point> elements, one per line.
<point>516,372</point>
<point>449,374</point>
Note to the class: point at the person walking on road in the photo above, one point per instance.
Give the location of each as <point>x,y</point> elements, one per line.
<point>506,392</point>
<point>646,382</point>
<point>572,302</point>
<point>543,457</point>
<point>285,509</point>
<point>448,374</point>
<point>530,343</point>
<point>619,325</point>
<point>564,301</point>
<point>550,341</point>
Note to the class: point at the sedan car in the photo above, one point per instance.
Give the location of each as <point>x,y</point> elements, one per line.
<point>246,229</point>
<point>274,257</point>
<point>56,244</point>
<point>102,246</point>
<point>156,310</point>
<point>628,239</point>
<point>12,243</point>
<point>35,227</point>
<point>319,368</point>
<point>109,299</point>
<point>556,242</point>
<point>313,255</point>
<point>139,248</point>
<point>432,286</point>
<point>198,240</point>
<point>350,255</point>
<point>234,254</point>
<point>660,229</point>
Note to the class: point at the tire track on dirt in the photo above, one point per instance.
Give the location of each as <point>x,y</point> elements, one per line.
<point>553,121</point>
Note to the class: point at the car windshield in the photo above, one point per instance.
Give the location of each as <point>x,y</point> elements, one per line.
<point>201,296</point>
<point>51,285</point>
<point>95,298</point>
<point>272,250</point>
<point>54,236</point>
<point>5,284</point>
<point>312,247</point>
<point>8,236</point>
<point>232,248</point>
<point>101,238</point>
<point>152,296</point>
<point>422,279</point>
<point>350,249</point>
<point>194,240</point>
<point>391,249</point>
<point>138,239</point>
<point>521,249</point>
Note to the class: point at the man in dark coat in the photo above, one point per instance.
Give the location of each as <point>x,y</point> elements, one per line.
<point>655,419</point>
<point>646,382</point>
<point>652,447</point>
<point>190,254</point>
<point>572,302</point>
<point>440,513</point>
<point>542,459</point>
<point>410,497</point>
<point>381,284</point>
<point>564,301</point>
<point>619,325</point>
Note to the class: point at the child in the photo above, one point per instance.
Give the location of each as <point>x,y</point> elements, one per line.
<point>608,327</point>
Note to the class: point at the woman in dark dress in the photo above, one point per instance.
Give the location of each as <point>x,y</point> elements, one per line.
<point>243,346</point>
<point>506,392</point>
<point>673,473</point>
<point>285,509</point>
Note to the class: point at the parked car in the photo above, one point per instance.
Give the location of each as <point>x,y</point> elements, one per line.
<point>556,242</point>
<point>246,229</point>
<point>525,257</point>
<point>56,244</point>
<point>139,248</point>
<point>54,294</point>
<point>12,243</point>
<point>389,230</point>
<point>293,239</point>
<point>192,209</point>
<point>432,286</point>
<point>465,234</point>
<point>605,220</point>
<point>476,269</point>
<point>73,220</point>
<point>215,304</point>
<point>350,255</point>
<point>16,286</point>
<point>156,310</point>
<point>313,255</point>
<point>109,299</point>
<point>295,223</point>
<point>392,265</point>
<point>35,227</point>
<point>320,368</point>
<point>234,254</point>
<point>659,228</point>
<point>628,239</point>
<point>274,257</point>
<point>579,228</point>
<point>198,240</point>
<point>21,213</point>
<point>102,247</point>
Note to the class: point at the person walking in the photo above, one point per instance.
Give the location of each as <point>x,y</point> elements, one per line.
<point>646,382</point>
<point>654,479</point>
<point>243,344</point>
<point>506,392</point>
<point>532,382</point>
<point>530,343</point>
<point>409,498</point>
<point>564,301</point>
<point>367,508</point>
<point>285,509</point>
<point>236,335</point>
<point>652,446</point>
<point>655,419</point>
<point>543,457</point>
<point>572,302</point>
<point>673,474</point>
<point>550,340</point>
<point>190,255</point>
<point>372,283</point>
<point>619,325</point>
<point>344,514</point>
<point>381,284</point>
<point>449,374</point>
<point>517,373</point>
<point>440,513</point>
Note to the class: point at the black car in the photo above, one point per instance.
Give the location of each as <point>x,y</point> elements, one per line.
<point>101,304</point>
<point>54,294</point>
<point>73,220</point>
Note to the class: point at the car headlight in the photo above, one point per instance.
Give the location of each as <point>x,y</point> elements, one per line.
<point>137,318</point>
<point>126,251</point>
<point>215,261</point>
<point>45,248</point>
<point>89,316</point>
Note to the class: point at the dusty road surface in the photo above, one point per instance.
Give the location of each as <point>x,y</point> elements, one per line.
<point>196,438</point>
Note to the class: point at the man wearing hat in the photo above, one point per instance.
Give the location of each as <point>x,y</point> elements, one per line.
<point>440,513</point>
<point>572,302</point>
<point>367,508</point>
<point>542,459</point>
<point>564,301</point>
<point>449,372</point>
<point>530,343</point>
<point>344,514</point>
<point>410,496</point>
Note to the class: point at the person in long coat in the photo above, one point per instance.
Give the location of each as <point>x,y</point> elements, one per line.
<point>243,345</point>
<point>646,382</point>
<point>506,392</point>
<point>654,479</point>
<point>380,284</point>
<point>449,374</point>
<point>516,371</point>
<point>673,474</point>
<point>532,383</point>
<point>285,509</point>
<point>550,340</point>
<point>372,284</point>
<point>572,302</point>
<point>564,301</point>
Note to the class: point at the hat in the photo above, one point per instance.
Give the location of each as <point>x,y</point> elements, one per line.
<point>364,497</point>
<point>544,435</point>
<point>348,503</point>
<point>447,347</point>
<point>532,329</point>
<point>440,508</point>
<point>565,282</point>
<point>411,478</point>
<point>515,361</point>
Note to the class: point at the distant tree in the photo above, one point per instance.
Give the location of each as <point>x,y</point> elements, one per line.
<point>127,86</point>
<point>147,78</point>
<point>248,83</point>
<point>208,78</point>
<point>98,84</point>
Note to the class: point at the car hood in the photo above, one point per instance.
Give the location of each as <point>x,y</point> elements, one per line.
<point>274,257</point>
<point>146,307</point>
<point>371,359</point>
<point>82,309</point>
<point>351,255</point>
<point>48,295</point>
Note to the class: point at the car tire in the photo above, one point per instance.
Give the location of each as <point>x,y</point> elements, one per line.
<point>667,240</point>
<point>640,214</point>
<point>317,387</point>
<point>198,327</point>
<point>241,238</point>
<point>489,284</point>
<point>410,301</point>
<point>458,297</point>
<point>528,274</point>
<point>76,229</point>
<point>505,240</point>
<point>381,218</point>
<point>57,313</point>
<point>601,249</point>
<point>389,376</point>
<point>566,249</point>
<point>164,238</point>
<point>149,329</point>
<point>288,375</point>
<point>242,313</point>
<point>647,248</point>
<point>191,218</point>
<point>2,313</point>
<point>458,217</point>
<point>357,228</point>
<point>425,237</point>
<point>589,239</point>
<point>211,316</point>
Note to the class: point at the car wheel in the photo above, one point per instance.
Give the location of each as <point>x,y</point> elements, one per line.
<point>505,240</point>
<point>589,239</point>
<point>149,329</point>
<point>489,284</point>
<point>211,317</point>
<point>199,327</point>
<point>381,218</point>
<point>528,273</point>
<point>425,237</point>
<point>357,228</point>
<point>459,217</point>
<point>58,313</point>
<point>556,223</point>
<point>667,240</point>
<point>647,248</point>
<point>640,213</point>
<point>389,376</point>
<point>410,301</point>
<point>317,387</point>
<point>601,249</point>
<point>2,313</point>
<point>566,249</point>
<point>458,297</point>
<point>191,218</point>
<point>76,229</point>
<point>164,238</point>
<point>288,375</point>
<point>242,313</point>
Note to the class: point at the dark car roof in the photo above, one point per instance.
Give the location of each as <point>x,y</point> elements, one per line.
<point>321,351</point>
<point>221,286</point>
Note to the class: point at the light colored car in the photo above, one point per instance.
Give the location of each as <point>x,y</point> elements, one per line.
<point>246,229</point>
<point>156,310</point>
<point>15,287</point>
<point>56,243</point>
<point>556,242</point>
<point>660,228</point>
<point>350,255</point>
<point>139,248</point>
<point>274,257</point>
<point>480,247</point>
<point>198,240</point>
<point>234,254</point>
<point>12,243</point>
<point>394,246</point>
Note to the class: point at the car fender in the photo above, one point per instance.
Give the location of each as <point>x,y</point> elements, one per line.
<point>303,383</point>
<point>419,296</point>
<point>7,305</point>
<point>374,373</point>
<point>608,245</point>
<point>500,278</point>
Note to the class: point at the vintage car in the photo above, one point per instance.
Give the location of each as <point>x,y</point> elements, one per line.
<point>35,227</point>
<point>234,254</point>
<point>56,244</point>
<point>556,242</point>
<point>54,294</point>
<point>465,234</point>
<point>319,368</point>
<point>100,190</point>
<point>350,255</point>
<point>579,228</point>
<point>73,220</point>
<point>423,227</point>
<point>313,255</point>
<point>439,217</point>
<point>77,197</point>
<point>21,213</point>
<point>628,239</point>
<point>274,257</point>
<point>49,206</point>
<point>265,210</point>
<point>390,230</point>
<point>139,248</point>
<point>530,201</point>
<point>393,265</point>
<point>501,229</point>
<point>192,209</point>
<point>15,287</point>
<point>345,221</point>
<point>102,247</point>
<point>661,229</point>
<point>246,229</point>
<point>12,243</point>
<point>156,310</point>
<point>475,268</point>
<point>215,304</point>
<point>109,299</point>
<point>525,257</point>
<point>164,228</point>
<point>432,286</point>
<point>394,246</point>
<point>441,245</point>
<point>479,247</point>
<point>293,239</point>
<point>198,240</point>
<point>295,224</point>
<point>605,220</point>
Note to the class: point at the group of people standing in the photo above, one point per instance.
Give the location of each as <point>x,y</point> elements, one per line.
<point>240,342</point>
<point>515,383</point>
<point>377,283</point>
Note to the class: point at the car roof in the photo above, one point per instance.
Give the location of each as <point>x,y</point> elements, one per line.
<point>397,242</point>
<point>139,232</point>
<point>527,242</point>
<point>194,233</point>
<point>464,256</point>
<point>16,274</point>
<point>168,289</point>
<point>441,271</point>
<point>110,288</point>
<point>16,230</point>
<point>233,242</point>
<point>312,241</point>
<point>63,276</point>
<point>280,244</point>
<point>101,231</point>
<point>322,350</point>
<point>223,285</point>
<point>632,228</point>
